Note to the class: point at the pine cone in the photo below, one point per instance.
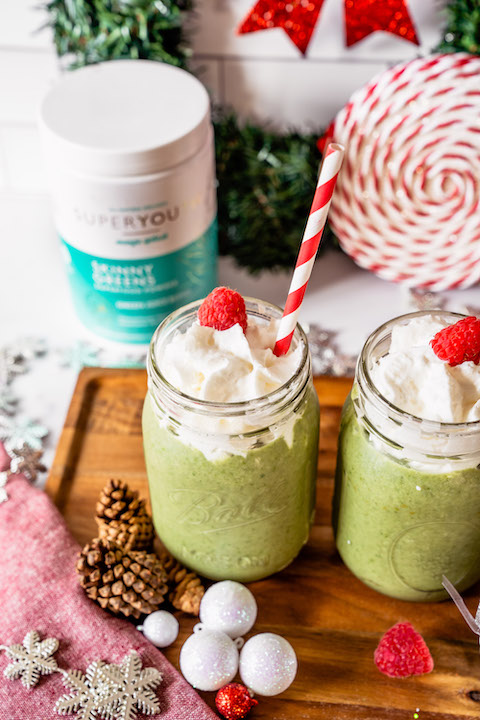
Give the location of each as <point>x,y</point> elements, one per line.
<point>185,587</point>
<point>127,583</point>
<point>122,517</point>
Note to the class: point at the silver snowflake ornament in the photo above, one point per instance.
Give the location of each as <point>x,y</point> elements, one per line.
<point>8,401</point>
<point>422,299</point>
<point>110,691</point>
<point>15,433</point>
<point>29,348</point>
<point>3,482</point>
<point>10,365</point>
<point>126,361</point>
<point>80,355</point>
<point>134,688</point>
<point>28,461</point>
<point>89,694</point>
<point>326,356</point>
<point>14,357</point>
<point>31,659</point>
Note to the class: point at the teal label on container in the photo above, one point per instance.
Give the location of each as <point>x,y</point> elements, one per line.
<point>125,300</point>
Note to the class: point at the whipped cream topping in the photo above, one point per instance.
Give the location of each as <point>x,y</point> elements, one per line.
<point>415,380</point>
<point>227,366</point>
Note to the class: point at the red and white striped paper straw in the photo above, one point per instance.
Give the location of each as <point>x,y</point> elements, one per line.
<point>327,178</point>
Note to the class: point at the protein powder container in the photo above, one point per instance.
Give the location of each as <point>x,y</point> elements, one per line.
<point>130,154</point>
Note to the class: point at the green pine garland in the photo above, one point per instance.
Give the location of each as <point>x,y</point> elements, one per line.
<point>91,31</point>
<point>266,180</point>
<point>462,32</point>
<point>266,183</point>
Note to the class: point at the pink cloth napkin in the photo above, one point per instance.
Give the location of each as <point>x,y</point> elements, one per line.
<point>39,591</point>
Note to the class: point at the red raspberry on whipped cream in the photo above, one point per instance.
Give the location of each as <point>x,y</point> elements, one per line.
<point>222,309</point>
<point>458,343</point>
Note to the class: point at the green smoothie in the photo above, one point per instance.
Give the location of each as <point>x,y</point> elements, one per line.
<point>399,528</point>
<point>242,516</point>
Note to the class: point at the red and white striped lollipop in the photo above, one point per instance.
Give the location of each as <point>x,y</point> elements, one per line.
<point>407,204</point>
<point>312,235</point>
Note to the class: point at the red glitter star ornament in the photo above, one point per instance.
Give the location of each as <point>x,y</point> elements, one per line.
<point>363,17</point>
<point>297,17</point>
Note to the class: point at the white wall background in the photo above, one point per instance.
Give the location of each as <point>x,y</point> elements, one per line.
<point>262,75</point>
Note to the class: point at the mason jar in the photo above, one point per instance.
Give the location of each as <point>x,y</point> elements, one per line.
<point>407,490</point>
<point>232,485</point>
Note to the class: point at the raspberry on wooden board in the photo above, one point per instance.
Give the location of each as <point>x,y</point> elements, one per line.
<point>402,652</point>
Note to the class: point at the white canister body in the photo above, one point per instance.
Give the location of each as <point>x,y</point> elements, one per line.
<point>138,243</point>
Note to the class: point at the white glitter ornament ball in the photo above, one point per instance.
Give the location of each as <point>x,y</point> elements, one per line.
<point>230,607</point>
<point>160,627</point>
<point>268,664</point>
<point>209,659</point>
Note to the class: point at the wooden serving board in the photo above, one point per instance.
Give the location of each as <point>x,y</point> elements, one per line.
<point>333,621</point>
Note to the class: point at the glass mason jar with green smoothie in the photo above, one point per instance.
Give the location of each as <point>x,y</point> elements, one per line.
<point>231,442</point>
<point>407,491</point>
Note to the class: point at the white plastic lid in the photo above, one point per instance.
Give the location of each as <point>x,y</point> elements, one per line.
<point>125,117</point>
